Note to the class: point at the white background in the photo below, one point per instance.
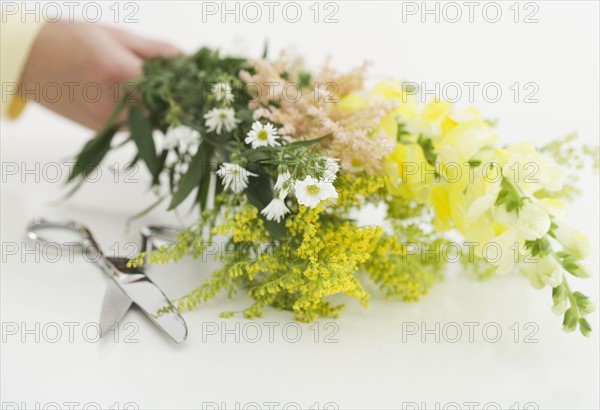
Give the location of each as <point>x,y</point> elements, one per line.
<point>369,366</point>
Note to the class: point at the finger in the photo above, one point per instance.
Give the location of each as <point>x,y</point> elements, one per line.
<point>128,65</point>
<point>131,68</point>
<point>146,48</point>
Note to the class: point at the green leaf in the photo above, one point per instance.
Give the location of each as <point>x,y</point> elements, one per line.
<point>202,197</point>
<point>141,133</point>
<point>428,149</point>
<point>95,149</point>
<point>265,154</point>
<point>552,229</point>
<point>129,165</point>
<point>510,196</point>
<point>260,192</point>
<point>571,265</point>
<point>538,246</point>
<point>256,155</point>
<point>197,170</point>
<point>93,152</point>
<point>306,143</point>
<point>570,320</point>
<point>304,79</point>
<point>584,304</point>
<point>401,132</point>
<point>584,327</point>
<point>559,294</point>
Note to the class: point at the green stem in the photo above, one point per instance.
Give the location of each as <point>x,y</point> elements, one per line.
<point>572,299</point>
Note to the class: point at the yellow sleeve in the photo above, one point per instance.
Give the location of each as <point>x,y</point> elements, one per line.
<point>17,37</point>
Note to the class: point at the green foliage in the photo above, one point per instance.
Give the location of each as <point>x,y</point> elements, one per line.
<point>574,316</point>
<point>197,172</point>
<point>510,196</point>
<point>173,91</point>
<point>93,152</point>
<point>573,157</point>
<point>428,149</point>
<point>141,133</point>
<point>259,193</point>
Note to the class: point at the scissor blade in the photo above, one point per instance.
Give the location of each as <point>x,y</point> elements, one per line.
<point>150,299</point>
<point>114,306</point>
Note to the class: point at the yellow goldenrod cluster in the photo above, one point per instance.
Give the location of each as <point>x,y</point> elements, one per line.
<point>322,256</point>
<point>243,225</point>
<point>401,274</point>
<point>321,259</point>
<point>354,191</point>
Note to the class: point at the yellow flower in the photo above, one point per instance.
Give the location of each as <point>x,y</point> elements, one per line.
<point>389,125</point>
<point>352,102</point>
<point>436,120</point>
<point>243,225</point>
<point>413,169</point>
<point>531,170</point>
<point>554,206</point>
<point>544,271</point>
<point>464,141</point>
<point>572,241</point>
<point>394,91</point>
<point>441,205</point>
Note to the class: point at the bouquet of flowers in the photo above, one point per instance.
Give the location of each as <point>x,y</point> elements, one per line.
<point>278,160</point>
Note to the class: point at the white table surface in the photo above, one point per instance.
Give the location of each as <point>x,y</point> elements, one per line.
<point>365,363</point>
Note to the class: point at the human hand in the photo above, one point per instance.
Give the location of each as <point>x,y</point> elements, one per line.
<point>77,69</point>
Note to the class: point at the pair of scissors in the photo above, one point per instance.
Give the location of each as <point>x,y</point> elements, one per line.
<point>128,286</point>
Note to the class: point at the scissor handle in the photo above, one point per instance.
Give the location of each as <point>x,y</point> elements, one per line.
<point>154,236</point>
<point>86,240</point>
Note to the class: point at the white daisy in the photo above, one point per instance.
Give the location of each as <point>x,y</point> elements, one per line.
<point>276,210</point>
<point>331,168</point>
<point>281,186</point>
<point>181,137</point>
<point>222,92</point>
<point>219,118</point>
<point>262,135</point>
<point>235,178</point>
<point>310,191</point>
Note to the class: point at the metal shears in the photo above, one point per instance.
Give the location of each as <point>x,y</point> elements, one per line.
<point>128,285</point>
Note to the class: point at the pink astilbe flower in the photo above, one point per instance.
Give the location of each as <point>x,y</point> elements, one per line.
<point>267,84</point>
<point>347,82</point>
<point>354,139</point>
